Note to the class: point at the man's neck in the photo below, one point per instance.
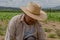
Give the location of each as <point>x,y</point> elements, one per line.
<point>29,23</point>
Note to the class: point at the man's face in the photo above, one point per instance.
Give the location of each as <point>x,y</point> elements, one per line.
<point>29,19</point>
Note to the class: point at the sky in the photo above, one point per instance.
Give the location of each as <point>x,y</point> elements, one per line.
<point>19,3</point>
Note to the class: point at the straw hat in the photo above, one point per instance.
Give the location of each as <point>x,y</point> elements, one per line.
<point>34,11</point>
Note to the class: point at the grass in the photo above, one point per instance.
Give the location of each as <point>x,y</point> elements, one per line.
<point>54,16</point>
<point>4,18</point>
<point>7,15</point>
<point>2,30</point>
<point>51,35</point>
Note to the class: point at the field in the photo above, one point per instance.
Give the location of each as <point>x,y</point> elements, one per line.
<point>51,25</point>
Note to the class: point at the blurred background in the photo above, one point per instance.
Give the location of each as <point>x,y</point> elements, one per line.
<point>10,8</point>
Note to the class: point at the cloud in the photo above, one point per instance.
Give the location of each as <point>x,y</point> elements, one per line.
<point>18,3</point>
<point>53,3</point>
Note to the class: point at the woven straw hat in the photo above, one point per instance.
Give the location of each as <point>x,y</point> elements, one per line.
<point>34,11</point>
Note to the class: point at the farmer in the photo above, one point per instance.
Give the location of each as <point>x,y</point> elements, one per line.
<point>26,26</point>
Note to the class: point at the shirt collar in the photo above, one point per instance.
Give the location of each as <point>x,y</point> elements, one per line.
<point>22,17</point>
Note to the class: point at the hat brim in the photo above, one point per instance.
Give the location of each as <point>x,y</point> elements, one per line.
<point>40,17</point>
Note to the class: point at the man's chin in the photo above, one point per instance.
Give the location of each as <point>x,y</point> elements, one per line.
<point>31,22</point>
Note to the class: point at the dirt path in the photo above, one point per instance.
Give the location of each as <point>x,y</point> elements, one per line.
<point>52,25</point>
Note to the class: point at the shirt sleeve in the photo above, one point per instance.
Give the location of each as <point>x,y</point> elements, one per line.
<point>10,33</point>
<point>42,34</point>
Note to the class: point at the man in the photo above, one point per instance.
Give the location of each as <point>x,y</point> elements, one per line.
<point>26,26</point>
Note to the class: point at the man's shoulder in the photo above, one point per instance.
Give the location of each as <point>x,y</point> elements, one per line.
<point>15,18</point>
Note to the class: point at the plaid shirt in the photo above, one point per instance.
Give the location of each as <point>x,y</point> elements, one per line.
<point>16,28</point>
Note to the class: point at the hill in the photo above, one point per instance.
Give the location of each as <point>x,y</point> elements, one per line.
<point>9,9</point>
<point>56,8</point>
<point>13,9</point>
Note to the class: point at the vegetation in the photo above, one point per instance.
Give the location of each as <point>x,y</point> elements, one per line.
<point>58,32</point>
<point>54,16</point>
<point>4,19</point>
<point>47,30</point>
<point>51,35</point>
